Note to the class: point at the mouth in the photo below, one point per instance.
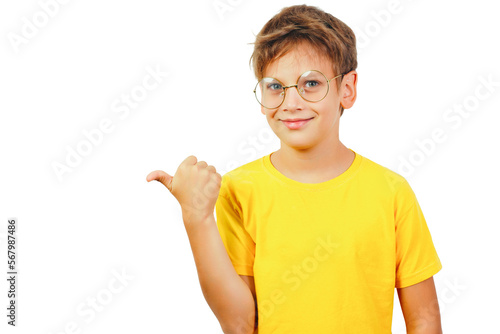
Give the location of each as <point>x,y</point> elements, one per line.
<point>295,123</point>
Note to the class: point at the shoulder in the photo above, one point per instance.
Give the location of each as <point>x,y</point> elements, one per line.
<point>384,181</point>
<point>388,184</point>
<point>245,172</point>
<point>243,177</point>
<point>380,175</point>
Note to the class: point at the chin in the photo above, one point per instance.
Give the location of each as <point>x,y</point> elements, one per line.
<point>296,139</point>
<point>298,144</point>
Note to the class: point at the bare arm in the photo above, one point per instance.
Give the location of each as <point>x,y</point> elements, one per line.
<point>225,292</point>
<point>420,308</point>
<point>251,285</point>
<point>196,186</point>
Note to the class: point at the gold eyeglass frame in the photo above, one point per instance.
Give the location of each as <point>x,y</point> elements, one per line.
<point>296,87</point>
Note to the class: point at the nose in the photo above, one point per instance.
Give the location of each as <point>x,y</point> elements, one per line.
<point>292,100</point>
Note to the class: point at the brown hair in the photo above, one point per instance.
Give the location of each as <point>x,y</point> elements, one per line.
<point>296,24</point>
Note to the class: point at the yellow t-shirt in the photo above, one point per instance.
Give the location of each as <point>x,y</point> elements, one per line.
<point>327,256</point>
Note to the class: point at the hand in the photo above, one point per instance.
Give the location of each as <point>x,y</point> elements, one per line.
<point>195,185</point>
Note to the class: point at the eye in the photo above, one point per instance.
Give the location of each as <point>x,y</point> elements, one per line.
<point>311,84</point>
<point>274,86</point>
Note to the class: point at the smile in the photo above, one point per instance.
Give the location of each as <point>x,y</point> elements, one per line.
<point>294,124</point>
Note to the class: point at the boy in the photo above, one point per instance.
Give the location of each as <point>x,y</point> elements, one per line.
<point>312,238</point>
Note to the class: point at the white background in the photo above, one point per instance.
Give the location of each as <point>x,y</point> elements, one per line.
<point>103,217</point>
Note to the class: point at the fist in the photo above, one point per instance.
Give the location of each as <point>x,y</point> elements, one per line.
<point>195,185</point>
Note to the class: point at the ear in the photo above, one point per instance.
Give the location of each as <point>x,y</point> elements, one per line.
<point>348,90</point>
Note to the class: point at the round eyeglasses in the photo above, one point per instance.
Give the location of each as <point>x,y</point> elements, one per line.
<point>312,86</point>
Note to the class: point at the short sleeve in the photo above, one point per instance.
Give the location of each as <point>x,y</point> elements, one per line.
<point>416,256</point>
<point>239,244</point>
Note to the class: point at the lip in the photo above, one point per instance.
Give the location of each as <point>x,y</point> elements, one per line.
<point>295,123</point>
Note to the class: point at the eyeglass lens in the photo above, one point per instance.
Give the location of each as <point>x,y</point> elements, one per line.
<point>312,86</point>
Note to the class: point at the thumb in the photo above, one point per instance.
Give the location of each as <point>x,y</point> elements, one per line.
<point>162,177</point>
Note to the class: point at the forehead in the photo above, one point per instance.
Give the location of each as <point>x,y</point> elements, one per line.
<point>298,60</point>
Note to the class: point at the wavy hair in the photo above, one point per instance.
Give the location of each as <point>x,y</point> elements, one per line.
<point>294,25</point>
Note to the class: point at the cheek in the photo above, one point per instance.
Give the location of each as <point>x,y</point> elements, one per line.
<point>326,110</point>
<point>269,113</point>
<point>328,114</point>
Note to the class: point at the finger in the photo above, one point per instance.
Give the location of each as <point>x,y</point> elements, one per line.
<point>217,178</point>
<point>202,164</point>
<point>152,176</point>
<point>191,160</point>
<point>161,177</point>
<point>211,168</point>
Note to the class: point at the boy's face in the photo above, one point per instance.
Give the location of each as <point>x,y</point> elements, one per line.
<point>321,127</point>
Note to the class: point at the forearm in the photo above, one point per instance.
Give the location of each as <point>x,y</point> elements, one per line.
<point>225,292</point>
<point>420,308</point>
<point>426,331</point>
<point>424,327</point>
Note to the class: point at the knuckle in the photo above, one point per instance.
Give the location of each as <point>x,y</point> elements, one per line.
<point>202,164</point>
<point>218,179</point>
<point>191,160</point>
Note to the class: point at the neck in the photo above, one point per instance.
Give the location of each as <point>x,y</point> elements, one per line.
<point>315,164</point>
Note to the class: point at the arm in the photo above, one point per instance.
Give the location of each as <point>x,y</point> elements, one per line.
<point>225,291</point>
<point>251,285</point>
<point>196,186</point>
<point>420,308</point>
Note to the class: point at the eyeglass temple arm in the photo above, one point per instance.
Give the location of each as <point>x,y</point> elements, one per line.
<point>336,77</point>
